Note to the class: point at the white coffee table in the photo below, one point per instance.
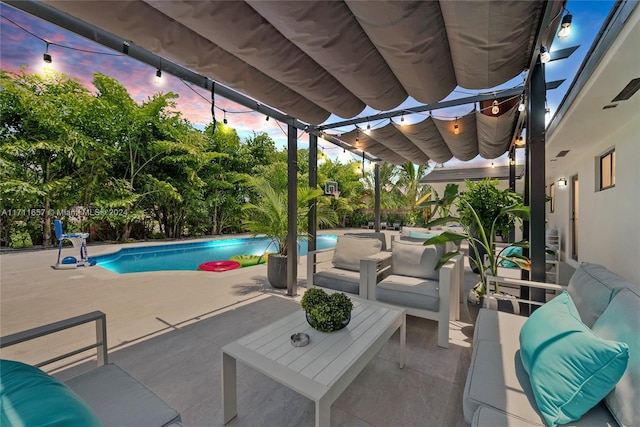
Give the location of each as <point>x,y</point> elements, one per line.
<point>324,368</point>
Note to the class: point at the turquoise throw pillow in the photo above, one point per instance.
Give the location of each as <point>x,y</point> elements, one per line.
<point>30,397</point>
<point>510,250</point>
<point>419,235</point>
<point>570,368</point>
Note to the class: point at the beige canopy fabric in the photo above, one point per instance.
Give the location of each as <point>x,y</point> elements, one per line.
<point>437,140</point>
<point>310,59</point>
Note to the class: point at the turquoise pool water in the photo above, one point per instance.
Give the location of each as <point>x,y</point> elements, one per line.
<point>187,256</point>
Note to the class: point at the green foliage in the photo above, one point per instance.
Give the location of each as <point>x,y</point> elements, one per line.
<point>269,216</point>
<point>482,211</point>
<point>325,312</point>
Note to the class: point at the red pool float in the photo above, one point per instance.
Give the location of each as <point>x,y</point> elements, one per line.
<point>219,265</point>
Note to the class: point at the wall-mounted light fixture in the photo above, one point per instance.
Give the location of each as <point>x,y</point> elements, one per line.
<point>545,56</point>
<point>562,182</point>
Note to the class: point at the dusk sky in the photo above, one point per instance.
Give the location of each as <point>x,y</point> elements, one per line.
<point>19,48</point>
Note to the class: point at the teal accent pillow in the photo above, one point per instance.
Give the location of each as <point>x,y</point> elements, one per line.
<point>570,368</point>
<point>419,235</point>
<point>30,397</point>
<point>510,250</point>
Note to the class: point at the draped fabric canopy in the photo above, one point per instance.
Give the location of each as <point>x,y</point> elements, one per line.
<point>311,59</point>
<point>438,140</point>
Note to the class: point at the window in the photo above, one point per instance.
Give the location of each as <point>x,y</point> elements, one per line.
<point>552,197</point>
<point>608,170</point>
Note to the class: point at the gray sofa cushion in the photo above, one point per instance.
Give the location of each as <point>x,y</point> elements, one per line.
<point>339,280</point>
<point>621,322</point>
<point>375,235</point>
<point>592,287</point>
<point>118,399</point>
<point>415,260</point>
<point>409,291</point>
<point>350,250</point>
<point>498,326</point>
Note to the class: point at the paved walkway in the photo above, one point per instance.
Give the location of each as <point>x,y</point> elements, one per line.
<point>167,329</point>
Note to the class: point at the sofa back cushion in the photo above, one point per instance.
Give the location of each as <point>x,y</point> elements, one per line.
<point>30,397</point>
<point>350,250</point>
<point>592,287</point>
<point>621,322</point>
<point>372,235</point>
<point>570,367</point>
<point>415,260</point>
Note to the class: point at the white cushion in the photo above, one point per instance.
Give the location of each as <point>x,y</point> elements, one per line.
<point>415,260</point>
<point>350,250</point>
<point>118,399</point>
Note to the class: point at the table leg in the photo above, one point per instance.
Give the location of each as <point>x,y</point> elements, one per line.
<point>229,388</point>
<point>323,413</point>
<point>403,339</point>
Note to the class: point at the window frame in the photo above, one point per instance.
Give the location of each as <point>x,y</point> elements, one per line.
<point>611,175</point>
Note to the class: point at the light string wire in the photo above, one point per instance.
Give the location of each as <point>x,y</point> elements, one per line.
<point>50,43</point>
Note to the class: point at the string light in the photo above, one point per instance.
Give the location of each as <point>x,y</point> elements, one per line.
<point>402,119</point>
<point>565,27</point>
<point>158,78</point>
<point>493,165</point>
<point>545,56</point>
<point>46,57</point>
<point>521,105</point>
<point>456,128</point>
<point>213,106</point>
<point>224,117</point>
<point>495,109</point>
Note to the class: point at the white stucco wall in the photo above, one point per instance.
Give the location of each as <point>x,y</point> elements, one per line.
<point>609,220</point>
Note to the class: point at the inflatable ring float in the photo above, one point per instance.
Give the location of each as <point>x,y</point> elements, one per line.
<point>219,265</point>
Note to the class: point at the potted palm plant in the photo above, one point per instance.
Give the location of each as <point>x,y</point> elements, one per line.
<point>269,219</point>
<point>482,211</point>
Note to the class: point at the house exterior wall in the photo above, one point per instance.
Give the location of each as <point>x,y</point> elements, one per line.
<point>609,220</point>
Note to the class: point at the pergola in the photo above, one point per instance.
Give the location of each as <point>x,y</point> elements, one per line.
<point>301,61</point>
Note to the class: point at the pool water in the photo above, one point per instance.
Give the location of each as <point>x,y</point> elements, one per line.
<point>187,256</point>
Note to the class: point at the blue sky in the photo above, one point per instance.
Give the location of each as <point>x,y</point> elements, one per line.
<point>19,48</point>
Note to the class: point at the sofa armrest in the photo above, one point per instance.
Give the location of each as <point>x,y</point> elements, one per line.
<point>313,260</point>
<point>100,345</point>
<point>519,283</point>
<point>373,269</point>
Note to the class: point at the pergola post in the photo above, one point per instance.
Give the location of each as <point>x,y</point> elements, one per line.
<point>512,185</point>
<point>292,211</point>
<point>376,175</point>
<point>313,183</point>
<point>536,163</point>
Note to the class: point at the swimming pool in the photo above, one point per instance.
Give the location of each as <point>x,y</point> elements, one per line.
<point>187,256</point>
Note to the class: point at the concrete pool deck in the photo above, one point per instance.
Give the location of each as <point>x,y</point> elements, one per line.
<point>167,329</point>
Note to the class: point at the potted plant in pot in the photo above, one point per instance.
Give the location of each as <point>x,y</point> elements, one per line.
<point>269,219</point>
<point>326,313</point>
<point>482,211</point>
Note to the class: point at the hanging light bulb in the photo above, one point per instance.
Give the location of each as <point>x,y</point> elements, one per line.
<point>46,57</point>
<point>456,128</point>
<point>495,109</point>
<point>266,119</point>
<point>545,56</point>
<point>565,27</point>
<point>512,161</point>
<point>368,126</point>
<point>158,78</point>
<point>402,119</point>
<point>492,165</point>
<point>547,113</point>
<point>521,105</point>
<point>224,117</point>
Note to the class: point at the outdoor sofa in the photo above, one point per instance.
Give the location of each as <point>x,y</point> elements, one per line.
<point>563,360</point>
<point>104,396</point>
